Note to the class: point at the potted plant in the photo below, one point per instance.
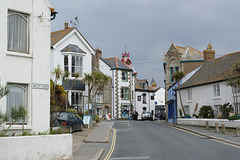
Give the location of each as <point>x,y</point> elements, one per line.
<point>206,112</point>
<point>226,109</point>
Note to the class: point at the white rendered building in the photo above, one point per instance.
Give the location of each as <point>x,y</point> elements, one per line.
<point>73,53</point>
<point>25,61</point>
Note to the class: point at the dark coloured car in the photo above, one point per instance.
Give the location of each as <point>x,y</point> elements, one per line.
<point>146,116</point>
<point>69,120</point>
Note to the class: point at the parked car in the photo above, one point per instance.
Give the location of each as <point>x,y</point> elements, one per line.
<point>146,116</point>
<point>69,120</point>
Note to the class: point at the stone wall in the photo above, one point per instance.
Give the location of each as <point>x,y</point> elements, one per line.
<point>211,122</point>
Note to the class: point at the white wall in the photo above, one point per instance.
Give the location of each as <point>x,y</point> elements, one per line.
<point>160,96</point>
<point>32,67</point>
<point>36,147</point>
<point>204,95</point>
<point>58,58</point>
<point>150,104</point>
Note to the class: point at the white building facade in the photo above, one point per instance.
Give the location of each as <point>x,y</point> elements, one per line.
<point>208,86</point>
<point>122,87</point>
<point>25,61</point>
<point>73,53</point>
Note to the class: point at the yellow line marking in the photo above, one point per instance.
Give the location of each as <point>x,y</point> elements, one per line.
<point>232,145</point>
<point>112,146</point>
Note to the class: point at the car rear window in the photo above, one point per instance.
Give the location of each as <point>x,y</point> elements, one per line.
<point>63,116</point>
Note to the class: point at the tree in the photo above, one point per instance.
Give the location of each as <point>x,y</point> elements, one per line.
<point>96,80</point>
<point>65,76</point>
<point>3,92</point>
<point>234,83</point>
<point>58,73</point>
<point>178,75</point>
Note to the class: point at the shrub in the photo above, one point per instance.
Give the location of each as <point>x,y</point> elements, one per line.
<point>206,112</point>
<point>232,118</point>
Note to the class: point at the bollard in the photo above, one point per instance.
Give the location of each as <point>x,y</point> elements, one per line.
<point>217,127</point>
<point>207,124</point>
<point>223,129</point>
<point>237,131</point>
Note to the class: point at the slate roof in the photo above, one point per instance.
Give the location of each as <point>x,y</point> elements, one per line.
<point>219,69</point>
<point>189,53</point>
<point>58,35</point>
<point>138,86</point>
<point>116,63</point>
<point>72,48</point>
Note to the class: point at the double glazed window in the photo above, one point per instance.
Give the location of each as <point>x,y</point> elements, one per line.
<point>125,93</point>
<point>16,97</point>
<point>17,30</point>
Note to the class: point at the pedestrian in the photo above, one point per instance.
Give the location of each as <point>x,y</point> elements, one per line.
<point>136,115</point>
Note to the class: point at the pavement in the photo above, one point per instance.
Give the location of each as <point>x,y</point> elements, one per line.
<point>229,136</point>
<point>99,134</point>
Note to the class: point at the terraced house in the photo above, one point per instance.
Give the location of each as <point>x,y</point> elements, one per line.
<point>210,83</point>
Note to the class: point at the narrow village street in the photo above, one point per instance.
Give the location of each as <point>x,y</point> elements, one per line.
<point>151,140</point>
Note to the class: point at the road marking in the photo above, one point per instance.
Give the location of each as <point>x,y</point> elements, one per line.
<point>119,158</point>
<point>219,141</point>
<point>189,132</point>
<point>112,146</point>
<point>128,123</point>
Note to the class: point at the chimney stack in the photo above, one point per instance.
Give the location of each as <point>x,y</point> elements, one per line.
<point>66,25</point>
<point>209,53</point>
<point>98,55</point>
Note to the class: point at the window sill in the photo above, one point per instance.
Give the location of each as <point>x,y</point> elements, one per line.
<point>216,98</point>
<point>14,127</point>
<point>190,101</point>
<point>19,54</point>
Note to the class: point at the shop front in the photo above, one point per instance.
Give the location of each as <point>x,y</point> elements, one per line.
<point>125,111</point>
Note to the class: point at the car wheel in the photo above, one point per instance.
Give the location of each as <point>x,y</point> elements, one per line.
<point>70,129</point>
<point>81,127</point>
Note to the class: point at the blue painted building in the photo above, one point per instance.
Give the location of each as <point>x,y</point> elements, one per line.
<point>172,98</point>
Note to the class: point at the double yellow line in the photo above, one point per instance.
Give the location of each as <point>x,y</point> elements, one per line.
<point>113,145</point>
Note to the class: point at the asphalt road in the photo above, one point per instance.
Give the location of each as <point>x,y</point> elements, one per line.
<point>150,140</point>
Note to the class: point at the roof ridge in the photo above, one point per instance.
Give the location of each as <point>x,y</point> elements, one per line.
<point>116,62</point>
<point>224,55</point>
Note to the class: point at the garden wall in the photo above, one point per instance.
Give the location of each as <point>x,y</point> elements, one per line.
<point>211,122</point>
<point>42,147</point>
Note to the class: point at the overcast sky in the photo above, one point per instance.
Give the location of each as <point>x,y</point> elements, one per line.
<point>148,27</point>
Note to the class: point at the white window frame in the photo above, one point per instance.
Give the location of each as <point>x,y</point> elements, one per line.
<point>124,76</point>
<point>16,42</point>
<point>99,97</point>
<point>187,110</point>
<point>76,98</point>
<point>78,65</point>
<point>216,90</point>
<point>14,93</point>
<point>189,90</point>
<point>144,98</point>
<point>125,93</point>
